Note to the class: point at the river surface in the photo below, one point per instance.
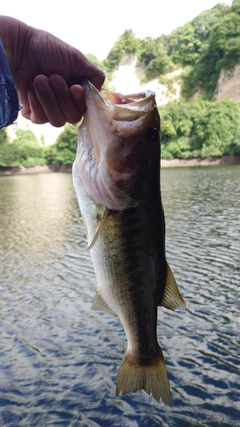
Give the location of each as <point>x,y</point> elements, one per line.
<point>59,359</point>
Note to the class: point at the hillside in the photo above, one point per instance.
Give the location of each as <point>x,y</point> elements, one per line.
<point>127,79</point>
<point>195,73</point>
<point>201,57</point>
<point>228,84</point>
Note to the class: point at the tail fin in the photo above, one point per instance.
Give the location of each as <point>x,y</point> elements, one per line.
<point>152,378</point>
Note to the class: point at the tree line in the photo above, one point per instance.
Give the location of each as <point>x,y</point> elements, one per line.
<point>201,48</point>
<point>198,129</point>
<point>25,150</point>
<point>194,126</point>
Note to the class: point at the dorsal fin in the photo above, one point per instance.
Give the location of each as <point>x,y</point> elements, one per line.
<point>100,225</point>
<point>100,305</point>
<point>172,299</point>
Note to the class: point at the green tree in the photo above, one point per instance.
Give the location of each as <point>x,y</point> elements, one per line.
<point>176,119</point>
<point>200,128</point>
<point>3,136</point>
<point>30,151</point>
<point>64,150</point>
<point>154,56</point>
<point>218,127</point>
<point>23,151</point>
<point>186,44</point>
<point>222,50</point>
<point>9,155</point>
<point>127,43</point>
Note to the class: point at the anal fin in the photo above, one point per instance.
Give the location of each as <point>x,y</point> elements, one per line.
<point>172,299</point>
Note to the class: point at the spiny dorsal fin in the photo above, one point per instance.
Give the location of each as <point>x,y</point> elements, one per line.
<point>172,299</point>
<point>100,225</point>
<point>100,305</point>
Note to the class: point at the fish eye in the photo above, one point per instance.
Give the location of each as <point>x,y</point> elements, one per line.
<point>152,134</point>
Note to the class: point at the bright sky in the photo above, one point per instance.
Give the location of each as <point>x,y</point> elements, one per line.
<point>93,26</point>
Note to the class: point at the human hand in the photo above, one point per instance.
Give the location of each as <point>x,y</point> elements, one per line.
<point>48,74</point>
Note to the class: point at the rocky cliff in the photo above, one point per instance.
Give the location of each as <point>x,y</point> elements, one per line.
<point>127,79</point>
<point>228,85</point>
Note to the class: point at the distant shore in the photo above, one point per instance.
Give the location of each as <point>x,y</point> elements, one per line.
<point>211,161</point>
<point>21,170</point>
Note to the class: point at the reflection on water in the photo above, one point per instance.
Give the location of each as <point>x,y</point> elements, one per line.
<point>59,359</point>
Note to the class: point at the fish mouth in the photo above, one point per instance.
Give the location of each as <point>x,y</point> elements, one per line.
<point>113,144</point>
<point>120,107</point>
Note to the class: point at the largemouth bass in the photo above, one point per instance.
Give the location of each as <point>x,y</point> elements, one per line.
<point>116,176</point>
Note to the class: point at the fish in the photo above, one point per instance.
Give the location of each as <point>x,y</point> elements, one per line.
<point>116,175</point>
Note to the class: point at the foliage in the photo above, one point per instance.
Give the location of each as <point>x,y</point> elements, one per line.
<point>200,128</point>
<point>221,50</point>
<point>64,150</point>
<point>150,52</point>
<point>200,49</point>
<point>26,151</point>
<point>127,43</point>
<point>187,43</point>
<point>3,136</point>
<point>23,151</point>
<point>154,56</point>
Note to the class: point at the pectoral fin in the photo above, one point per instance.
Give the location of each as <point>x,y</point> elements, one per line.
<point>100,305</point>
<point>85,225</point>
<point>99,228</point>
<point>172,299</point>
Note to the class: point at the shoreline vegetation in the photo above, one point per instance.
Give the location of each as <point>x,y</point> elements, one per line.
<point>170,163</point>
<point>199,128</point>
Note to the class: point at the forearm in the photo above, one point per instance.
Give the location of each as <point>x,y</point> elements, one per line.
<point>13,34</point>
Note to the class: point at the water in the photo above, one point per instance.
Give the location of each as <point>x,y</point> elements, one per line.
<point>59,359</point>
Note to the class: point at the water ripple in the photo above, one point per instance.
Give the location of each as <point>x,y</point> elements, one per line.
<point>59,358</point>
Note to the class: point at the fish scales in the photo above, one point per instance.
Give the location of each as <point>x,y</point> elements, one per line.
<point>118,189</point>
